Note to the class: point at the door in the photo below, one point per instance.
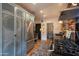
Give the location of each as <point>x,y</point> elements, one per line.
<point>37,30</point>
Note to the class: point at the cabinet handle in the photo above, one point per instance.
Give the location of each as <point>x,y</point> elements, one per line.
<point>15,35</point>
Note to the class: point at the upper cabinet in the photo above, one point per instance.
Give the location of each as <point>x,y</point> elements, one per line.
<point>70,13</point>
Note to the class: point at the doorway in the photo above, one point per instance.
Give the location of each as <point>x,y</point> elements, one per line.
<point>37,30</point>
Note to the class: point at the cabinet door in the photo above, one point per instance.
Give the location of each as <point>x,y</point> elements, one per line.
<point>29,30</point>
<point>8,29</point>
<point>20,40</point>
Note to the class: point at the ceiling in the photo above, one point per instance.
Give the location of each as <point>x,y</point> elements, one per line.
<point>51,10</point>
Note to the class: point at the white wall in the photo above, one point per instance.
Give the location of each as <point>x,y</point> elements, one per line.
<point>43,31</point>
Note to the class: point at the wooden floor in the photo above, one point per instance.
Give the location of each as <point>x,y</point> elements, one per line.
<point>36,46</point>
<point>41,47</point>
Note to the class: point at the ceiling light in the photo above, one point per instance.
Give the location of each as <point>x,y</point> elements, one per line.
<point>41,11</point>
<point>34,3</point>
<point>74,4</point>
<point>60,22</point>
<point>44,15</point>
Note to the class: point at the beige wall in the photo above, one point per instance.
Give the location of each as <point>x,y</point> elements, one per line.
<point>54,18</point>
<point>56,24</point>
